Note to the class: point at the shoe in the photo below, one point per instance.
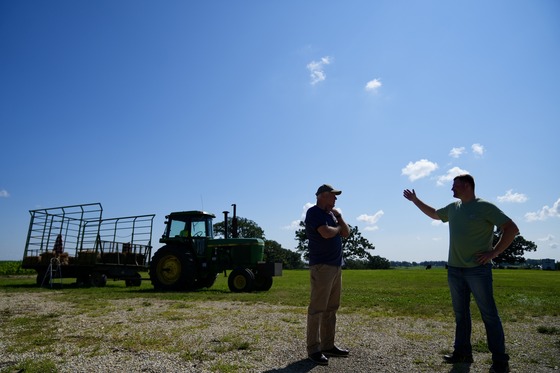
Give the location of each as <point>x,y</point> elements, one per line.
<point>318,358</point>
<point>336,352</point>
<point>458,358</point>
<point>499,367</point>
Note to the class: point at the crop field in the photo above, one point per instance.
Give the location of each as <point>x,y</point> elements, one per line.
<point>524,297</point>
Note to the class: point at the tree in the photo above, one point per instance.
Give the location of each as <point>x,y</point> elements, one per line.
<point>377,262</point>
<point>245,228</point>
<point>355,246</point>
<point>514,252</point>
<point>274,252</point>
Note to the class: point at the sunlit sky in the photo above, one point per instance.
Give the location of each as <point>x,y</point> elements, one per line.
<point>150,107</point>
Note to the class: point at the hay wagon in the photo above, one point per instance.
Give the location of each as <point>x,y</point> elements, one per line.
<point>77,242</point>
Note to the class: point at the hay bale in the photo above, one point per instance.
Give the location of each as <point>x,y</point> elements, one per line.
<point>64,259</point>
<point>30,261</point>
<point>88,257</point>
<point>45,258</point>
<point>112,258</point>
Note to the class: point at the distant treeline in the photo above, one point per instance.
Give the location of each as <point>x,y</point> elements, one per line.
<point>13,267</point>
<point>529,264</point>
<point>440,263</point>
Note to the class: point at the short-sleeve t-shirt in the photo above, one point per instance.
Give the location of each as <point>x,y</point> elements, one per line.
<point>322,250</point>
<point>471,229</point>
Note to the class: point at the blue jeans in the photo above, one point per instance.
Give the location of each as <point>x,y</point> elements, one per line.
<point>478,281</point>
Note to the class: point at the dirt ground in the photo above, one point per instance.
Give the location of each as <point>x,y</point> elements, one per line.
<point>147,335</point>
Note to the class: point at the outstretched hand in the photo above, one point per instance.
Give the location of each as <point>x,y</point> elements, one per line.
<point>409,195</point>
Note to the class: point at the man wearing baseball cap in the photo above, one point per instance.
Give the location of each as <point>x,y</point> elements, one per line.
<point>325,228</point>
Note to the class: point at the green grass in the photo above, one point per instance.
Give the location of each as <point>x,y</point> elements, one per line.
<point>418,293</point>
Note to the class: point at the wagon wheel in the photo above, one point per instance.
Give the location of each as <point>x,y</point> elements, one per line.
<point>98,279</point>
<point>136,281</point>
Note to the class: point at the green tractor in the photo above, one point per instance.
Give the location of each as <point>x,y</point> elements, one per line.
<point>192,258</point>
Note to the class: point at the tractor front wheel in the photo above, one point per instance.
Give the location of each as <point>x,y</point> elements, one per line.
<point>263,283</point>
<point>241,280</point>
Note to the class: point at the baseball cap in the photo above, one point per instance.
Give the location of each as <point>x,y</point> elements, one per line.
<point>327,188</point>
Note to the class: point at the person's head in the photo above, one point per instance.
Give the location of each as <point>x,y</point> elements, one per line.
<point>463,186</point>
<point>326,196</point>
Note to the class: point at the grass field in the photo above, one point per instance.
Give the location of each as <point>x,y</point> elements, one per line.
<point>399,292</point>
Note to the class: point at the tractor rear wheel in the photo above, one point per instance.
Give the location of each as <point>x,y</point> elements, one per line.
<point>241,280</point>
<point>172,269</point>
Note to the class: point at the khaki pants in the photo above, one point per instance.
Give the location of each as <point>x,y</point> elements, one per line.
<point>326,284</point>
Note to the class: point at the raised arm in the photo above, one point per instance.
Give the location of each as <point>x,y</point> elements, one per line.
<point>428,210</point>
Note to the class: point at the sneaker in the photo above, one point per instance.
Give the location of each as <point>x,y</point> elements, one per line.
<point>318,358</point>
<point>336,352</point>
<point>499,367</point>
<point>458,358</point>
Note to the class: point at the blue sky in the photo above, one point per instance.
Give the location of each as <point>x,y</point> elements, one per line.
<point>152,107</point>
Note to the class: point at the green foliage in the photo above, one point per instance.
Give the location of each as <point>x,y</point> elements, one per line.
<point>372,262</point>
<point>514,253</point>
<point>12,267</point>
<point>355,246</point>
<point>36,366</point>
<point>273,252</point>
<point>548,330</point>
<point>245,228</point>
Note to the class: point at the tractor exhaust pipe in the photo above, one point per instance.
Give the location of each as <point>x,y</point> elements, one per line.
<point>234,233</point>
<point>225,224</point>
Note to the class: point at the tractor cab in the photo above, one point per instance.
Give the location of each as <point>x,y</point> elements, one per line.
<point>187,224</point>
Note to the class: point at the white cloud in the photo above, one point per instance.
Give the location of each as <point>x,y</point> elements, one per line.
<point>4,193</point>
<point>373,85</point>
<point>547,238</point>
<point>550,238</point>
<point>294,225</point>
<point>419,169</point>
<point>456,152</point>
<point>451,173</point>
<point>512,197</point>
<point>545,213</point>
<point>477,149</point>
<point>316,69</point>
<point>371,220</point>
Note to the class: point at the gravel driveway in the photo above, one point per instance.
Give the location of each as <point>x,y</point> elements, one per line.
<point>148,335</point>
